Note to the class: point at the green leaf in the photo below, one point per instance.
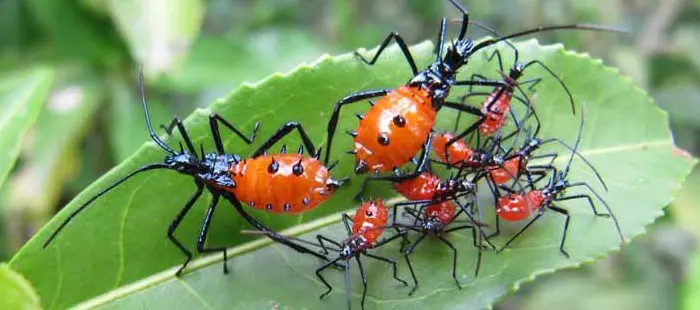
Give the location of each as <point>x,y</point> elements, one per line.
<point>52,153</point>
<point>159,32</point>
<point>22,95</point>
<point>15,291</point>
<point>120,239</point>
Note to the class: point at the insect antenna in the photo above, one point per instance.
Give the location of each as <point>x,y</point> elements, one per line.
<point>490,42</point>
<point>98,195</point>
<point>576,144</point>
<point>153,135</point>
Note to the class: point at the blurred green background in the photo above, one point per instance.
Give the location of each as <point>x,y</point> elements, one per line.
<point>194,52</point>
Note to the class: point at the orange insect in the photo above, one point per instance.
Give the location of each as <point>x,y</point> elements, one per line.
<point>282,183</point>
<point>398,125</point>
<point>364,230</point>
<point>518,206</point>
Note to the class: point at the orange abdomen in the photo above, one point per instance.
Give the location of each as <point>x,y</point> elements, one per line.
<point>513,208</point>
<point>508,171</point>
<point>422,187</point>
<point>459,151</point>
<point>394,129</point>
<point>495,111</point>
<point>370,220</point>
<point>443,211</point>
<point>281,187</point>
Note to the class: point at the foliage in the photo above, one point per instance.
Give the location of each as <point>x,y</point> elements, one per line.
<point>126,248</point>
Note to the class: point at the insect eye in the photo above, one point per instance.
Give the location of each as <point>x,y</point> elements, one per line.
<point>369,213</point>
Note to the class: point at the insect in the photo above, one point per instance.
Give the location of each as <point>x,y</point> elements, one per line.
<point>399,123</point>
<point>519,205</point>
<point>433,220</point>
<point>363,229</point>
<point>497,104</point>
<point>438,198</point>
<point>256,180</point>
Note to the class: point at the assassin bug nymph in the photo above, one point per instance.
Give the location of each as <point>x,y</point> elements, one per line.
<point>518,205</point>
<point>254,180</point>
<point>433,218</point>
<point>398,124</point>
<point>363,230</point>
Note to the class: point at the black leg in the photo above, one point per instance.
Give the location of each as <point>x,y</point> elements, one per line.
<point>454,260</point>
<point>176,122</point>
<point>269,232</point>
<point>590,202</point>
<point>460,107</point>
<point>204,230</point>
<point>321,240</point>
<point>333,122</point>
<point>534,219</point>
<point>402,45</point>
<point>605,204</point>
<point>281,133</point>
<point>364,281</point>
<point>347,285</point>
<point>497,54</point>
<point>329,288</point>
<point>390,262</point>
<point>346,221</point>
<point>477,244</point>
<point>408,262</point>
<point>176,222</point>
<point>566,227</point>
<point>215,119</point>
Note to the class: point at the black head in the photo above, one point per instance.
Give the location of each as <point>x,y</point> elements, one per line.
<point>183,162</point>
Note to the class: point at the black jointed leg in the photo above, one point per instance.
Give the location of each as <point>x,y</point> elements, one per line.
<point>533,220</point>
<point>282,132</point>
<point>346,221</point>
<point>269,232</point>
<point>176,222</point>
<point>215,119</point>
<point>531,82</point>
<point>605,204</point>
<point>321,242</point>
<point>329,288</point>
<point>454,260</point>
<point>462,100</point>
<point>565,213</point>
<point>204,231</point>
<point>460,136</point>
<point>393,266</point>
<point>176,122</point>
<point>402,45</point>
<point>477,244</point>
<point>590,203</point>
<point>408,252</point>
<point>363,277</point>
<point>497,54</point>
<point>461,107</point>
<point>333,122</point>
